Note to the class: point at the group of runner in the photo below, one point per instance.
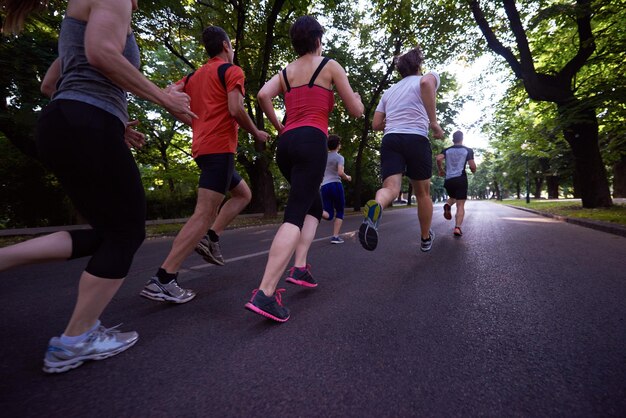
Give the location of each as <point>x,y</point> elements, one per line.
<point>84,136</point>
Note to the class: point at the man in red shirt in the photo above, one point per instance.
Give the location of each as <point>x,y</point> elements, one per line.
<point>216,90</point>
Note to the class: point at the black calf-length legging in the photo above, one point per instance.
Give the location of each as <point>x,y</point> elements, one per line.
<point>301,157</point>
<point>84,147</point>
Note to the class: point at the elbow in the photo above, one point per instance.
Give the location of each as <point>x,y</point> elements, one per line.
<point>233,110</point>
<point>47,90</point>
<point>262,97</point>
<point>357,111</point>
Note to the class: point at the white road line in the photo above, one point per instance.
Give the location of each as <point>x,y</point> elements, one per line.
<point>244,257</point>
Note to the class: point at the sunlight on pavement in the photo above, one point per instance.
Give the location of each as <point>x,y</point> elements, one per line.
<point>539,220</point>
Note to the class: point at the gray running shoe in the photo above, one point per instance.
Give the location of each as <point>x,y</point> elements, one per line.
<point>170,292</point>
<point>428,244</point>
<point>210,251</point>
<point>100,344</point>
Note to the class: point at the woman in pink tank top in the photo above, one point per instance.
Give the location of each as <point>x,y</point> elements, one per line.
<point>306,85</point>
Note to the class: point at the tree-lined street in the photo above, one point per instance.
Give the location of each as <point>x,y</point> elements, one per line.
<point>523,316</point>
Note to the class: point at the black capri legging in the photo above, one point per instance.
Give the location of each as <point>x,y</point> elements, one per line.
<point>301,156</point>
<point>84,147</point>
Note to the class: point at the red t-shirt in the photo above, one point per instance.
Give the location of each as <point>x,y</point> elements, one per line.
<point>214,131</point>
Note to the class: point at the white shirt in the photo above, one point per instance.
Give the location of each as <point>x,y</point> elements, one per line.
<point>403,107</point>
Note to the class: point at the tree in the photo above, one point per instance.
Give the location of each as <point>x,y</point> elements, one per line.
<point>557,83</point>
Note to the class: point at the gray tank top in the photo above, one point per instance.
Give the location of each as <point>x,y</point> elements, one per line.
<point>81,81</point>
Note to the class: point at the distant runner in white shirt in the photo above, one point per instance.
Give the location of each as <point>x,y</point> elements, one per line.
<point>456,179</point>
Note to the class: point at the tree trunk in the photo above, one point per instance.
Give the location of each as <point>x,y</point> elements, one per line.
<point>261,185</point>
<point>369,107</point>
<point>538,187</point>
<point>552,183</point>
<point>581,133</point>
<point>619,177</point>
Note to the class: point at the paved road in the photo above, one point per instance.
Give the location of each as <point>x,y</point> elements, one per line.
<point>523,316</point>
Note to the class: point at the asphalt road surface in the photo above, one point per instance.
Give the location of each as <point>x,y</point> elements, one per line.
<point>522,316</point>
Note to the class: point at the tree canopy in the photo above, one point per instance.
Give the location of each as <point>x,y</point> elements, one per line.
<point>563,110</point>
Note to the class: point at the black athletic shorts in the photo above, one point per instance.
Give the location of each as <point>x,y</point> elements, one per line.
<point>456,187</point>
<point>408,154</point>
<point>217,172</point>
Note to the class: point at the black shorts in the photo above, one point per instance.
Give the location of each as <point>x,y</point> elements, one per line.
<point>408,154</point>
<point>217,172</point>
<point>456,187</point>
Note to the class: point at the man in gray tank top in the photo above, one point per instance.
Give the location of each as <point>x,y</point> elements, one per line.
<point>456,179</point>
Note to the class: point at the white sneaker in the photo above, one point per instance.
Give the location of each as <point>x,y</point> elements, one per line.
<point>170,292</point>
<point>100,344</point>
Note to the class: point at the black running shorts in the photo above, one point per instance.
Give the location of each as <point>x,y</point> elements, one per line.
<point>456,187</point>
<point>408,154</point>
<point>217,172</point>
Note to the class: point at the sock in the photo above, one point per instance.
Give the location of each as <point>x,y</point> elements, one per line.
<point>165,277</point>
<point>301,268</point>
<point>78,338</point>
<point>213,236</point>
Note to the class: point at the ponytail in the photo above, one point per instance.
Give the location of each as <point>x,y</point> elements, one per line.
<point>16,12</point>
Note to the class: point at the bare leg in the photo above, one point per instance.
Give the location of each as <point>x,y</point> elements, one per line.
<point>337,226</point>
<point>283,246</point>
<point>57,246</point>
<point>94,294</point>
<point>424,205</point>
<point>451,201</point>
<point>240,197</point>
<point>460,212</point>
<point>389,191</point>
<point>306,238</point>
<point>195,228</point>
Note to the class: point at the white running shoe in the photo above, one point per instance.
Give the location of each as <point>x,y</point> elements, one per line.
<point>100,344</point>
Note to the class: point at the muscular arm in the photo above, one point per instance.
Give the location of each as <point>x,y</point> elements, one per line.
<point>428,87</point>
<point>350,99</point>
<point>237,111</point>
<point>440,158</point>
<point>342,173</point>
<point>270,90</point>
<point>49,83</point>
<point>112,18</point>
<point>472,165</point>
<point>378,123</point>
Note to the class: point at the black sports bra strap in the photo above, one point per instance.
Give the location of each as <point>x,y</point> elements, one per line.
<point>285,78</point>
<point>318,70</point>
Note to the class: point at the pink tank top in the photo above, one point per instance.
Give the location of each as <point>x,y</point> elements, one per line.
<point>308,104</point>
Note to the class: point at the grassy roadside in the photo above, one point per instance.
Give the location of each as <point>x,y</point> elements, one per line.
<point>171,229</point>
<point>573,209</point>
<point>164,230</point>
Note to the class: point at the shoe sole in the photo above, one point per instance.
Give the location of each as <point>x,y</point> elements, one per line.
<point>447,212</point>
<point>68,365</point>
<point>458,235</point>
<point>337,242</point>
<point>302,283</point>
<point>368,236</point>
<point>164,298</point>
<point>372,211</point>
<point>208,257</point>
<point>249,306</point>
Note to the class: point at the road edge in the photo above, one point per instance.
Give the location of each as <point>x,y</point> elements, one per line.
<point>587,223</point>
